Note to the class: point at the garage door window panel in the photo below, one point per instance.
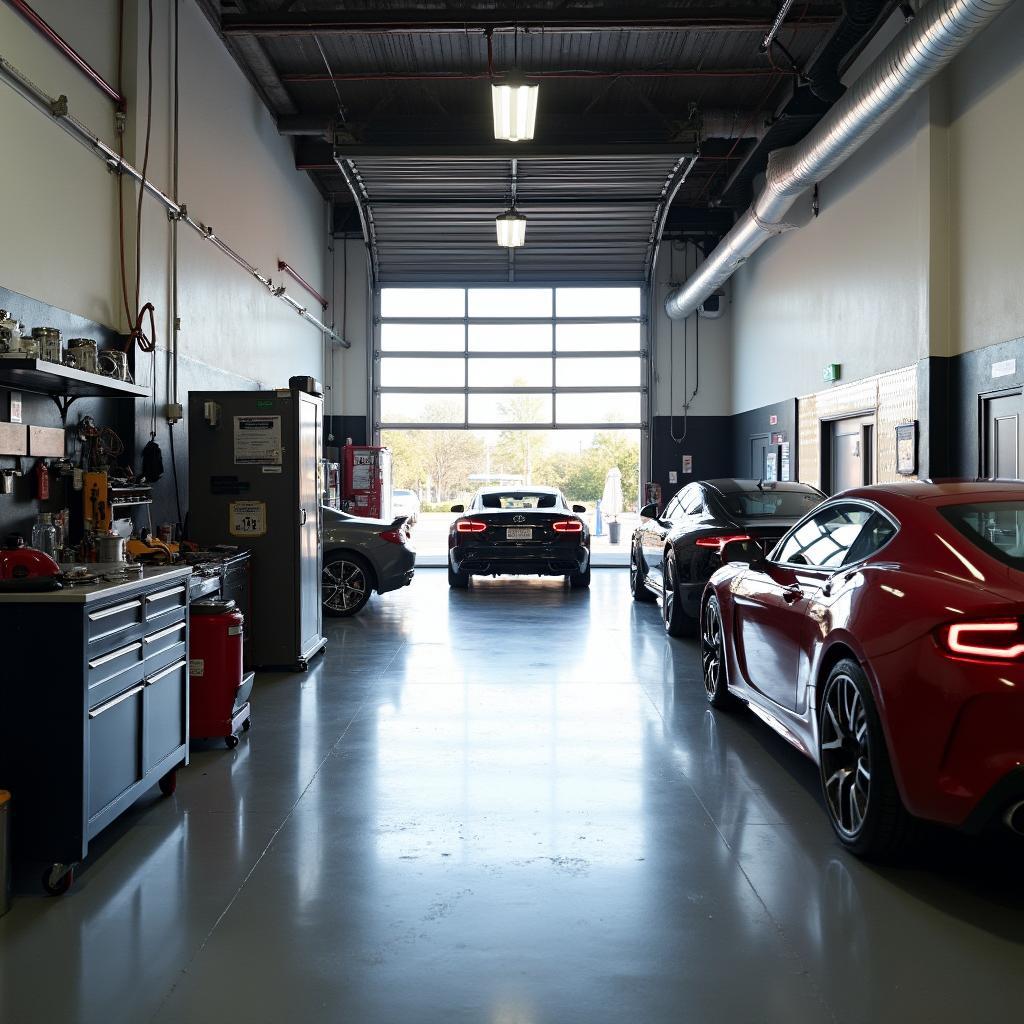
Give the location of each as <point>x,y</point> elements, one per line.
<point>610,337</point>
<point>521,409</point>
<point>510,302</point>
<point>429,407</point>
<point>411,373</point>
<point>587,372</point>
<point>598,408</point>
<point>510,338</point>
<point>422,302</point>
<point>422,337</point>
<point>597,302</point>
<point>520,373</point>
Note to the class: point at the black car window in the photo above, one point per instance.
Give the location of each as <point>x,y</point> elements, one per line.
<point>693,504</point>
<point>672,508</point>
<point>826,538</point>
<point>875,535</point>
<point>766,501</point>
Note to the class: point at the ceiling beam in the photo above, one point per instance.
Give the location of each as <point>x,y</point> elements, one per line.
<point>314,155</point>
<point>749,17</point>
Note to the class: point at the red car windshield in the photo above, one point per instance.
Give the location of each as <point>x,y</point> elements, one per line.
<point>997,527</point>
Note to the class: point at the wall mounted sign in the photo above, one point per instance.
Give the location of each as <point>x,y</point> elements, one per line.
<point>687,463</point>
<point>258,441</point>
<point>773,420</point>
<point>906,449</point>
<point>673,476</point>
<point>247,518</point>
<point>830,372</point>
<point>15,406</point>
<point>778,438</point>
<point>771,466</point>
<point>785,469</point>
<point>1006,368</point>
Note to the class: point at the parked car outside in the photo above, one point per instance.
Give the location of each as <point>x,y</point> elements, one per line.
<point>406,503</point>
<point>362,556</point>
<point>526,531</point>
<point>883,637</point>
<point>674,552</point>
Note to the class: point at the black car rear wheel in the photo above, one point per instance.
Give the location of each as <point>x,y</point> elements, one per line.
<point>861,796</point>
<point>677,622</point>
<point>346,584</point>
<point>580,580</point>
<point>638,578</point>
<point>458,580</point>
<point>712,657</point>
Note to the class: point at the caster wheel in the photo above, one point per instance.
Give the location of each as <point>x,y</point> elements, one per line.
<point>303,666</point>
<point>247,725</point>
<point>169,783</point>
<point>231,742</point>
<point>58,879</point>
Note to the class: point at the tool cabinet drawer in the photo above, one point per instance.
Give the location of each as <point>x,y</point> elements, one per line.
<point>166,644</point>
<point>114,671</point>
<point>110,627</point>
<point>115,747</point>
<point>166,712</point>
<point>165,601</point>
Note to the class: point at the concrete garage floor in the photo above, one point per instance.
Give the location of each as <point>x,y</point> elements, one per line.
<point>508,805</point>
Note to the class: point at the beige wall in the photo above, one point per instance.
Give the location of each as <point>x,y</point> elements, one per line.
<point>236,174</point>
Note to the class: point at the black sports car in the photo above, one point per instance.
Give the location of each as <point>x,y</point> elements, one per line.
<point>526,532</point>
<point>674,552</point>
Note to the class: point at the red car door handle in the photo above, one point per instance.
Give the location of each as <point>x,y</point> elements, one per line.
<point>791,594</point>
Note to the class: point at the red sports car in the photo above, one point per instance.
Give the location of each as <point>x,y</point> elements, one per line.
<point>884,637</point>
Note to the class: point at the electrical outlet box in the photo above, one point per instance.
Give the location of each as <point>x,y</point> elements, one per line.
<point>174,412</point>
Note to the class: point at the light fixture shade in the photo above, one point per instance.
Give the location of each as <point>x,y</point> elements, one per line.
<point>511,227</point>
<point>515,111</point>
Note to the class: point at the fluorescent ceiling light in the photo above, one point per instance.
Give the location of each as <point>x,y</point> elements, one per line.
<point>515,111</point>
<point>511,227</point>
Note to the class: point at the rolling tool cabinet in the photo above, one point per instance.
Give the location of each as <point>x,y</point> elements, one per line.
<point>93,709</point>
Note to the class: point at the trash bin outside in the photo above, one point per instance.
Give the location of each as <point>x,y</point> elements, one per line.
<point>613,531</point>
<point>5,852</point>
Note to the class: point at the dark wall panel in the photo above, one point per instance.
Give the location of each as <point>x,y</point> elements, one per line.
<point>345,426</point>
<point>755,422</point>
<point>708,439</point>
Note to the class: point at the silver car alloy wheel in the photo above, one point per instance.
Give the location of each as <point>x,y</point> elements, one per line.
<point>845,755</point>
<point>711,649</point>
<point>344,585</point>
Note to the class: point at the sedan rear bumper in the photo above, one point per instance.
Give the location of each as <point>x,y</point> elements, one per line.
<point>544,560</point>
<point>398,573</point>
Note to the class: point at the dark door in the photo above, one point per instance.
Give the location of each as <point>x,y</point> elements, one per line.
<point>1002,441</point>
<point>851,453</point>
<point>759,457</point>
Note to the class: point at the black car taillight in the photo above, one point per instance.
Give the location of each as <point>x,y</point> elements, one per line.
<point>470,526</point>
<point>567,526</point>
<point>718,543</point>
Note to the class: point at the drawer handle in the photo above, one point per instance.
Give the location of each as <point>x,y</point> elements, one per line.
<point>96,662</point>
<point>114,610</point>
<point>166,672</point>
<point>164,593</point>
<point>96,712</point>
<point>153,637</point>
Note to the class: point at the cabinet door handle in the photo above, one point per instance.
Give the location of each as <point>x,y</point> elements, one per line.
<point>96,662</point>
<point>96,712</point>
<point>153,637</point>
<point>105,613</point>
<point>164,593</point>
<point>166,672</point>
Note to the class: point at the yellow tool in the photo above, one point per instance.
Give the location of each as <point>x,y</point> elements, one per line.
<point>152,549</point>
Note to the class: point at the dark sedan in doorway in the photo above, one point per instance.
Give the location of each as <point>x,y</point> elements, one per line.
<point>674,551</point>
<point>531,531</point>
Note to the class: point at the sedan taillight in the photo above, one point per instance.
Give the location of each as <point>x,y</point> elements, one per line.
<point>987,639</point>
<point>567,526</point>
<point>718,543</point>
<point>394,536</point>
<point>470,526</point>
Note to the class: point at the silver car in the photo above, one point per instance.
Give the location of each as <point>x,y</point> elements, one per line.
<point>405,503</point>
<point>361,556</point>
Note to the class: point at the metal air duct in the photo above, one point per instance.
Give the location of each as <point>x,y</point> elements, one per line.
<point>940,31</point>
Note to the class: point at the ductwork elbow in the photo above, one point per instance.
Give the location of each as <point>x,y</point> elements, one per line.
<point>926,46</point>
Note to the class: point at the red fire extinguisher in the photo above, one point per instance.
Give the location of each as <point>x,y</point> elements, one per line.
<point>42,481</point>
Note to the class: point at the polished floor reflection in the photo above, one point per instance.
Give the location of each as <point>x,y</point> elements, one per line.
<point>508,805</point>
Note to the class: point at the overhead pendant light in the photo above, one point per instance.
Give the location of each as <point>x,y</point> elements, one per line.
<point>515,111</point>
<point>511,227</point>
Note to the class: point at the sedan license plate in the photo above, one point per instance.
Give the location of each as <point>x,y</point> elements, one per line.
<point>519,533</point>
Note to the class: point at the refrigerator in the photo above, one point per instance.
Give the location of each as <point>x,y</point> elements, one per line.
<point>254,482</point>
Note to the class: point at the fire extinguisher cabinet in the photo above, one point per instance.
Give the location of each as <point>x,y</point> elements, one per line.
<point>219,689</point>
<point>367,481</point>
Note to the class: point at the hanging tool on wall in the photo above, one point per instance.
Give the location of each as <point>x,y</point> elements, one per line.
<point>41,480</point>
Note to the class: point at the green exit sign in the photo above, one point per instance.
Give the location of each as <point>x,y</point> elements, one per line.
<point>830,372</point>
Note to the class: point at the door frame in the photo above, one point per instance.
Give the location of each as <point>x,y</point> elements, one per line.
<point>825,424</point>
<point>758,437</point>
<point>984,398</point>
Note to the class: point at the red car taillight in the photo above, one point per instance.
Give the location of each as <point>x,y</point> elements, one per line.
<point>987,639</point>
<point>470,526</point>
<point>718,543</point>
<point>393,536</point>
<point>567,526</point>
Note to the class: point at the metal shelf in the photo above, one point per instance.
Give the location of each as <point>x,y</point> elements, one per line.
<point>45,378</point>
